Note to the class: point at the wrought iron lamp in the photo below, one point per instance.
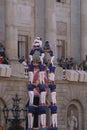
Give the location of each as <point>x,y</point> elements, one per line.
<point>16,111</point>
<point>5,111</point>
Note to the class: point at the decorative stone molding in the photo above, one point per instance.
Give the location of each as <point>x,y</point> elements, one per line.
<point>75,116</point>
<point>61,28</point>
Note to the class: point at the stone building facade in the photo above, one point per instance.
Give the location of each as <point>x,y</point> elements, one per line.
<point>64,24</point>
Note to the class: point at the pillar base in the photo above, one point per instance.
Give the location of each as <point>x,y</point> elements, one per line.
<point>17,68</point>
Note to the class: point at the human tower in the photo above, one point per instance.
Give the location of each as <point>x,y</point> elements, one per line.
<point>41,84</point>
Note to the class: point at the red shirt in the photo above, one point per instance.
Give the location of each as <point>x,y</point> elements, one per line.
<point>1,59</point>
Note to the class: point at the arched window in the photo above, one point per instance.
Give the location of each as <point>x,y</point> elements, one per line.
<point>2,120</point>
<point>75,115</point>
<point>22,46</point>
<point>60,48</point>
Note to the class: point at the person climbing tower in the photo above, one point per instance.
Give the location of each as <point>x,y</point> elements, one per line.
<point>52,87</point>
<point>42,88</point>
<point>31,110</point>
<point>49,56</point>
<point>51,74</point>
<point>53,109</point>
<point>36,54</point>
<point>42,69</point>
<point>42,115</point>
<point>31,93</point>
<point>31,71</point>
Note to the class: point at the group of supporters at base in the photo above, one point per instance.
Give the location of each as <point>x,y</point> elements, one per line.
<point>3,58</point>
<point>42,107</point>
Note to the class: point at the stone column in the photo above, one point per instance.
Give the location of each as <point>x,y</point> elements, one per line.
<point>50,24</point>
<point>12,38</point>
<point>75,30</point>
<point>11,30</point>
<point>83,29</point>
<point>40,18</point>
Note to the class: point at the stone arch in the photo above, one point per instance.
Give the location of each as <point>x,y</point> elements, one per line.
<point>2,120</point>
<point>77,108</point>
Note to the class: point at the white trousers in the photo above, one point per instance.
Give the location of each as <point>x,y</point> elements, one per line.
<point>51,76</point>
<point>54,120</point>
<point>31,58</point>
<point>39,120</point>
<point>31,97</point>
<point>52,58</point>
<point>30,120</point>
<point>41,58</point>
<point>53,97</point>
<point>43,97</point>
<point>31,76</point>
<point>43,119</point>
<point>41,76</point>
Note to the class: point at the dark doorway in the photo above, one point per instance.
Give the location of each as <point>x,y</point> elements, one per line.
<point>36,102</point>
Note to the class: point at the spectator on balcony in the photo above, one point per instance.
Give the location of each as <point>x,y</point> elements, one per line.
<point>1,59</point>
<point>75,66</point>
<point>5,61</point>
<point>2,50</point>
<point>71,62</point>
<point>66,63</point>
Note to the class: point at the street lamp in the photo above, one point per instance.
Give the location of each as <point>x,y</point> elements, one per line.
<point>15,120</point>
<point>5,111</point>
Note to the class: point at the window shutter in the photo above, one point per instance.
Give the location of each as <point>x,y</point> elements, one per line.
<point>62,1</point>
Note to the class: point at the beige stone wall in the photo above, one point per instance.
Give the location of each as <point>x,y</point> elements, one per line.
<point>83,29</point>
<point>25,18</point>
<point>68,27</point>
<point>50,24</point>
<point>71,93</point>
<point>22,19</point>
<point>40,8</point>
<point>41,18</point>
<point>75,30</point>
<point>9,87</point>
<point>68,94</point>
<point>2,21</point>
<point>19,20</point>
<point>63,25</point>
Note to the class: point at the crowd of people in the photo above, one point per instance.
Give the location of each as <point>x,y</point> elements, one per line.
<point>69,63</point>
<point>3,58</point>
